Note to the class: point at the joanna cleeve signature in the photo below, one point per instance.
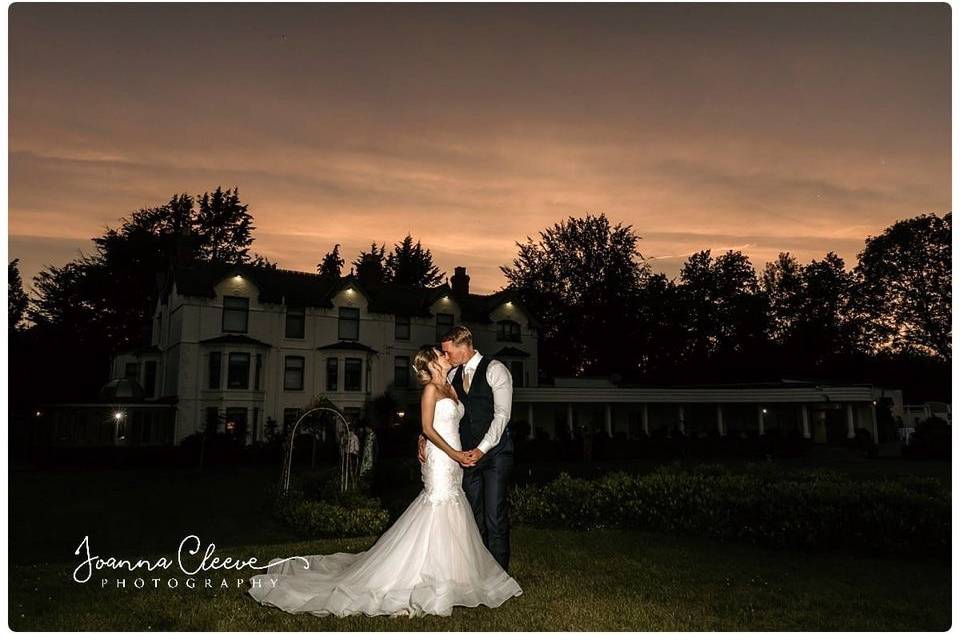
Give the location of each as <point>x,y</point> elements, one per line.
<point>189,546</point>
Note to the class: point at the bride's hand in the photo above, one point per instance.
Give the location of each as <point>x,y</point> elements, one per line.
<point>462,458</point>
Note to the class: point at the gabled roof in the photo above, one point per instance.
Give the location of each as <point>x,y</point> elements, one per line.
<point>403,301</point>
<point>477,308</point>
<point>281,286</point>
<point>275,285</point>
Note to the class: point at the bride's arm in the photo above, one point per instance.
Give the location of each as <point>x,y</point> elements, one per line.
<point>428,404</point>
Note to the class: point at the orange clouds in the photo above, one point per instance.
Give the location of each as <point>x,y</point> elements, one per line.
<point>470,127</point>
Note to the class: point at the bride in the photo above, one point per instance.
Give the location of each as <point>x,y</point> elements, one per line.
<point>429,561</point>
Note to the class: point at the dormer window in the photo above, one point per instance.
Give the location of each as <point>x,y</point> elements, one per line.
<point>349,326</point>
<point>235,311</point>
<point>508,331</point>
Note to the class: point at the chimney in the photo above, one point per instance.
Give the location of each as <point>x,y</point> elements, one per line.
<point>460,282</point>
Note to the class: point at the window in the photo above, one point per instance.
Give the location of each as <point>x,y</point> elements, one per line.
<point>516,370</point>
<point>401,371</point>
<point>132,371</point>
<point>401,328</point>
<point>150,378</point>
<point>508,331</point>
<point>333,372</point>
<point>296,322</point>
<point>293,373</point>
<point>351,374</point>
<point>215,364</point>
<point>238,371</point>
<point>213,420</point>
<point>235,313</point>
<point>256,372</point>
<point>444,323</point>
<point>349,328</point>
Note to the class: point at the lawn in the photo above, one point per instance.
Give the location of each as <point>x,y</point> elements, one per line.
<point>572,581</point>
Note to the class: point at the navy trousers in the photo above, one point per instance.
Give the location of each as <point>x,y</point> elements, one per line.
<point>486,487</point>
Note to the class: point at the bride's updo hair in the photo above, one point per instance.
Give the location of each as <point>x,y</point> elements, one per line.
<point>427,355</point>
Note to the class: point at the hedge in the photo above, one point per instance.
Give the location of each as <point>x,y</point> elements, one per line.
<point>817,509</point>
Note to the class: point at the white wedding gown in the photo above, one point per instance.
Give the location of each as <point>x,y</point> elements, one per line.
<point>431,560</point>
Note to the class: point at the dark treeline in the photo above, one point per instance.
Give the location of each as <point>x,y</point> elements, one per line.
<point>603,309</point>
<point>605,312</point>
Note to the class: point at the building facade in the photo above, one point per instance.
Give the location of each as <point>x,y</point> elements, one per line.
<point>235,345</point>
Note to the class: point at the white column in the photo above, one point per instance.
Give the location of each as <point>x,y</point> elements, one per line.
<point>850,432</point>
<point>570,418</point>
<point>760,420</point>
<point>873,422</point>
<point>530,420</point>
<point>720,419</point>
<point>680,421</point>
<point>644,421</point>
<point>608,420</point>
<point>805,420</point>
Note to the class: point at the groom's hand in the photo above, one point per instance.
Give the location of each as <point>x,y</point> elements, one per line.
<point>421,449</point>
<point>462,458</point>
<point>474,455</point>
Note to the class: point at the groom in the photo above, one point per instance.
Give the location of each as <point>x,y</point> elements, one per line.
<point>485,388</point>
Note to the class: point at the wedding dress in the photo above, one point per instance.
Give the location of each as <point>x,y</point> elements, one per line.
<point>429,561</point>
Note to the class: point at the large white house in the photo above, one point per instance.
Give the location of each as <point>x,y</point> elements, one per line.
<point>235,345</point>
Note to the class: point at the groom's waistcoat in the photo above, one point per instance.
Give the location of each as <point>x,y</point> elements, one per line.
<point>478,409</point>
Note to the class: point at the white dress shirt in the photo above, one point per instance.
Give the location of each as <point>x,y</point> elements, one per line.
<point>501,382</point>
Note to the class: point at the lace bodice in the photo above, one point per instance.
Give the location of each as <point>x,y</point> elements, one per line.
<point>442,476</point>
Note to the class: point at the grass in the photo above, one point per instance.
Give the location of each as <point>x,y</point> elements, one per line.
<point>573,581</point>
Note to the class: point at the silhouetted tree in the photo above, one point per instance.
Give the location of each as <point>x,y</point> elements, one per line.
<point>412,265</point>
<point>810,318</point>
<point>903,287</point>
<point>331,264</point>
<point>824,330</point>
<point>17,299</point>
<point>723,304</point>
<point>262,262</point>
<point>582,280</point>
<point>371,270</point>
<point>95,305</point>
<point>225,226</point>
<point>661,339</point>
<point>782,282</point>
<point>63,298</point>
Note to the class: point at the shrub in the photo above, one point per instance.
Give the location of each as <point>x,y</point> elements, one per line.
<point>931,439</point>
<point>764,504</point>
<point>351,515</point>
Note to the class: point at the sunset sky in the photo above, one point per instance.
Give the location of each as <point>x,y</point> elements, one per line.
<point>765,128</point>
